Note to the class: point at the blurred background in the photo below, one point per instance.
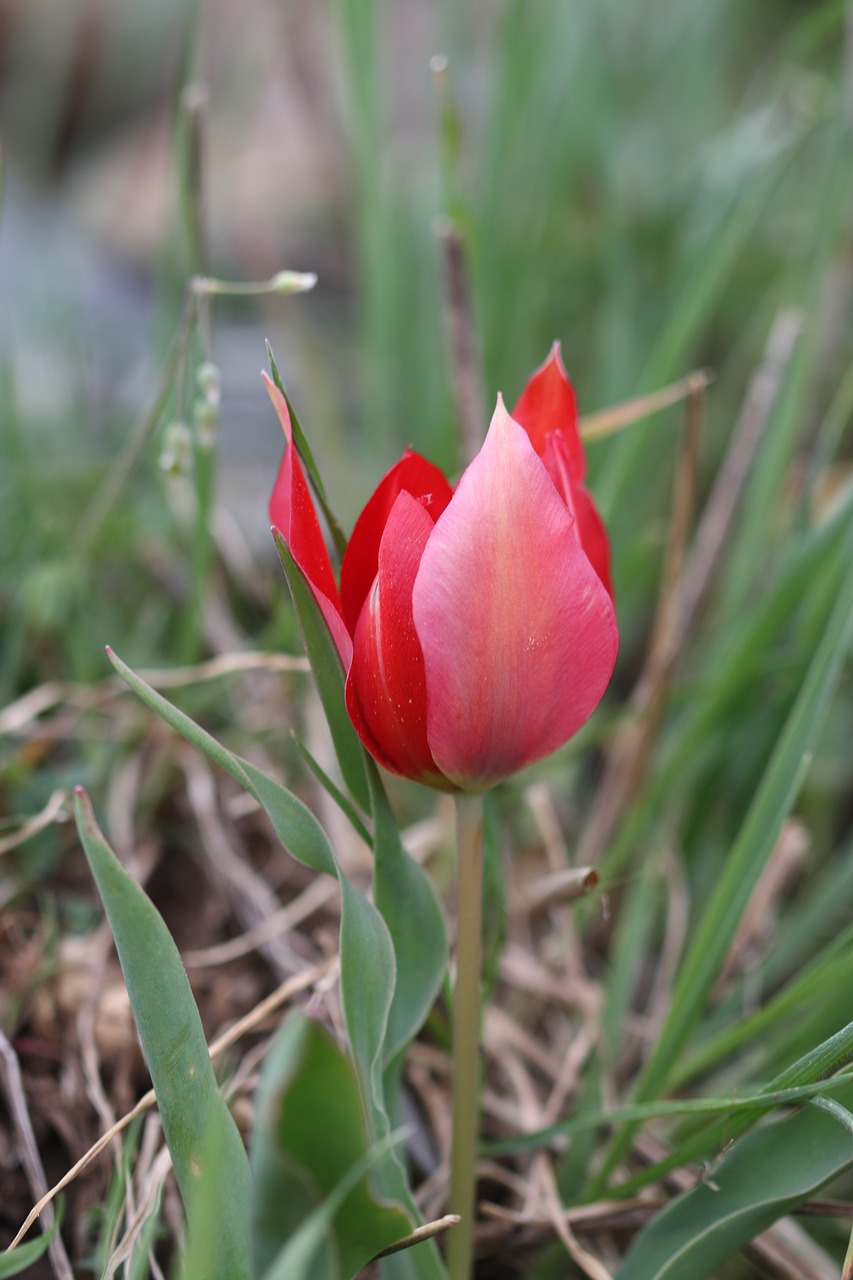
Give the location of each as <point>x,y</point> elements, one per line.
<point>648,183</point>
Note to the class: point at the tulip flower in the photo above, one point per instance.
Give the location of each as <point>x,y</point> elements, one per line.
<point>476,625</point>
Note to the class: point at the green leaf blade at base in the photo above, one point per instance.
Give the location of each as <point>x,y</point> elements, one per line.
<point>196,1120</point>
<point>310,1132</point>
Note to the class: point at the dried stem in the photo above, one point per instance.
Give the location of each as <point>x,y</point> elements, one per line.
<point>464,363</point>
<point>10,1077</point>
<point>720,508</point>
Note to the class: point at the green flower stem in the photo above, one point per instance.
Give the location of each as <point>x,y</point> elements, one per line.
<point>466,1031</point>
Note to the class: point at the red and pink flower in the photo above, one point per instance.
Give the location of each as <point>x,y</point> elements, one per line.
<point>475,625</point>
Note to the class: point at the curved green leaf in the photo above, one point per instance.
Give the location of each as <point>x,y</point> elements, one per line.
<point>309,1134</point>
<point>410,907</point>
<point>766,1174</point>
<point>207,1152</point>
<point>294,823</point>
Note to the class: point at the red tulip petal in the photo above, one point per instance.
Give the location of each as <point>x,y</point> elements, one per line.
<point>518,634</point>
<point>292,513</point>
<point>548,404</point>
<point>412,474</point>
<point>593,535</point>
<point>590,527</point>
<point>386,692</point>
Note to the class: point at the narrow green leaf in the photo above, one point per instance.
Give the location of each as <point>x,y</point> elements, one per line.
<point>328,673</point>
<point>368,974</point>
<point>368,966</point>
<point>310,1127</point>
<point>179,721</point>
<point>194,1116</point>
<point>830,1056</point>
<point>343,802</point>
<point>700,290</point>
<point>410,907</point>
<point>767,1173</point>
<point>294,823</point>
<point>367,953</point>
<point>297,1260</point>
<point>754,1105</point>
<point>831,969</point>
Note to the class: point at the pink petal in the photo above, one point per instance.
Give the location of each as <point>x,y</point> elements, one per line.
<point>292,513</point>
<point>412,474</point>
<point>386,692</point>
<point>589,527</point>
<point>517,631</point>
<point>548,404</point>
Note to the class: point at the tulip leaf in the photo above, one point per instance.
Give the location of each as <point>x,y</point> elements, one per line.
<point>298,1259</point>
<point>367,953</point>
<point>410,907</point>
<point>766,1174</point>
<point>309,1134</point>
<point>328,674</point>
<point>294,823</point>
<point>343,802</point>
<point>196,1120</point>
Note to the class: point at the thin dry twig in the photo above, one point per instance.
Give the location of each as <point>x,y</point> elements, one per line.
<point>253,900</point>
<point>426,1232</point>
<point>28,1149</point>
<point>561,887</point>
<point>56,810</point>
<point>717,517</point>
<point>787,1252</point>
<point>601,1216</point>
<point>588,1263</point>
<point>464,363</point>
<point>85,697</point>
<point>138,1216</point>
<point>526,972</point>
<point>605,422</point>
<point>318,893</point>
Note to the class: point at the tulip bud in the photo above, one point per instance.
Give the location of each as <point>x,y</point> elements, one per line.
<point>476,625</point>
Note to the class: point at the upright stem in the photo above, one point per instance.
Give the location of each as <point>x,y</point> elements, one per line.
<point>466,1031</point>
